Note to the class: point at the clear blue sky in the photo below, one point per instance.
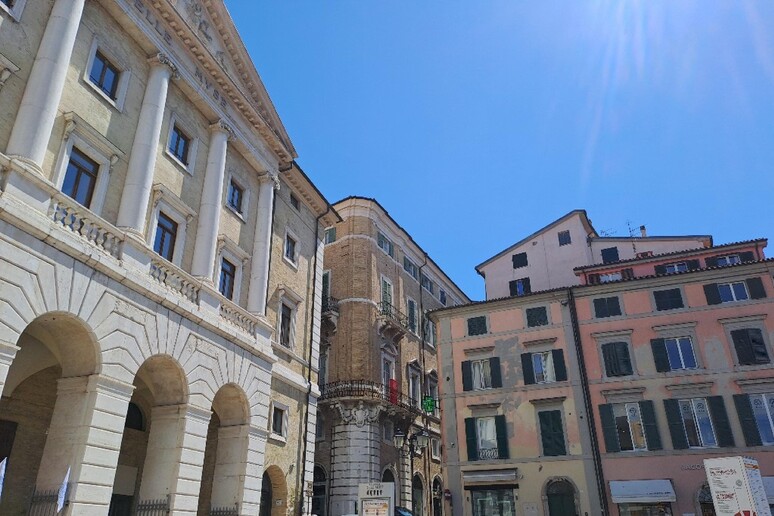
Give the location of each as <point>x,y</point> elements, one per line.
<point>477,122</point>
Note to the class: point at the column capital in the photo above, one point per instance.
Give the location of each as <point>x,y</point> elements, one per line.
<point>222,126</point>
<point>270,177</point>
<point>162,59</point>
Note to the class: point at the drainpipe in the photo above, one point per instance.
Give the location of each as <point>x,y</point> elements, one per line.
<point>309,366</point>
<point>422,387</point>
<point>597,458</point>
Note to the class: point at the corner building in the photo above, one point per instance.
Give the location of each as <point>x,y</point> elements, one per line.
<point>378,363</point>
<point>161,266</point>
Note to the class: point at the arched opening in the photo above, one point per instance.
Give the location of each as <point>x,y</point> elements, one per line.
<point>225,452</point>
<point>437,497</point>
<point>266,496</point>
<point>274,493</point>
<point>417,496</point>
<point>560,496</point>
<point>148,456</point>
<point>389,476</point>
<point>44,402</point>
<point>705,501</point>
<point>319,491</point>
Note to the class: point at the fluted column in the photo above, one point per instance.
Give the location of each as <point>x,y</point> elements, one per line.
<point>142,161</point>
<point>209,209</point>
<point>37,112</point>
<point>259,270</point>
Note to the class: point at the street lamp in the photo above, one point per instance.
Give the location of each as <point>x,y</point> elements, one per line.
<point>416,441</point>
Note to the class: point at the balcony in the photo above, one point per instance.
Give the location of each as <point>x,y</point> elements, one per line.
<point>393,324</point>
<point>488,454</point>
<point>389,396</point>
<point>330,313</point>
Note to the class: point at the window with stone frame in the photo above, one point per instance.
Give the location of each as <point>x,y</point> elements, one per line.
<point>80,177</point>
<point>617,359</point>
<point>104,75</point>
<point>286,325</point>
<point>166,236</point>
<point>537,316</point>
<point>179,144</point>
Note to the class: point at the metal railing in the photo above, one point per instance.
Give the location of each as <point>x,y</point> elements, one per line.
<point>330,304</point>
<point>391,312</point>
<point>371,390</point>
<point>43,503</point>
<point>225,511</point>
<point>158,507</point>
<point>488,454</point>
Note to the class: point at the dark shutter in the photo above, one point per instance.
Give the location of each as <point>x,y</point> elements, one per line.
<point>7,436</point>
<point>747,256</point>
<point>613,306</point>
<point>526,367</point>
<point>752,436</point>
<point>693,265</point>
<point>519,260</point>
<point>608,428</point>
<point>755,287</point>
<point>660,356</point>
<point>513,287</point>
<point>627,273</point>
<point>560,370</point>
<point>660,269</point>
<point>648,415</point>
<point>662,301</point>
<point>551,433</point>
<point>610,255</point>
<point>711,261</point>
<point>720,421</point>
<point>527,288</point>
<point>743,347</point>
<point>494,368</point>
<point>593,279</point>
<point>471,438</point>
<point>712,293</point>
<point>467,376</point>
<point>600,308</point>
<point>502,437</point>
<point>676,430</point>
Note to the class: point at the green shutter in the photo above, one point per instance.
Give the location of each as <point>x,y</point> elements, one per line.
<point>752,436</point>
<point>743,346</point>
<point>648,415</point>
<point>712,294</point>
<point>494,368</point>
<point>717,409</point>
<point>502,437</point>
<point>660,356</point>
<point>608,428</point>
<point>467,376</point>
<point>676,430</point>
<point>471,438</point>
<point>560,369</point>
<point>756,289</point>
<point>552,433</point>
<point>526,367</point>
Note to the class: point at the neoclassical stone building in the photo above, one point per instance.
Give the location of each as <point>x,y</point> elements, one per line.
<point>160,266</point>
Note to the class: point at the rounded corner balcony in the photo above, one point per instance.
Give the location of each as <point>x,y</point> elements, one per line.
<point>392,323</point>
<point>330,313</point>
<point>389,396</point>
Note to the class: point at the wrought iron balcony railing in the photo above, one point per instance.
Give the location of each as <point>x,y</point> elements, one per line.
<point>488,454</point>
<point>371,390</point>
<point>391,312</point>
<point>330,304</point>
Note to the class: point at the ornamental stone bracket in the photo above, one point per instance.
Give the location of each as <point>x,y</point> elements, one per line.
<point>359,413</point>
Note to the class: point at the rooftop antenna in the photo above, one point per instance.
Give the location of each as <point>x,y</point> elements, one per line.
<point>631,236</point>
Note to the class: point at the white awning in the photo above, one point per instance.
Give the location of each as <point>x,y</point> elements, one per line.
<point>643,491</point>
<point>484,477</point>
<point>768,486</point>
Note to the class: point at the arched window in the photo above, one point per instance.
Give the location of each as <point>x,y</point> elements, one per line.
<point>417,496</point>
<point>437,497</point>
<point>266,496</point>
<point>561,498</point>
<point>319,492</point>
<point>134,418</point>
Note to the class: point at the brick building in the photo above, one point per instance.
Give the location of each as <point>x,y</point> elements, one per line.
<point>160,266</point>
<point>378,362</point>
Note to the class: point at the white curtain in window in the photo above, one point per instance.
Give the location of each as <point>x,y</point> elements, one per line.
<point>548,367</point>
<point>482,375</point>
<point>487,434</point>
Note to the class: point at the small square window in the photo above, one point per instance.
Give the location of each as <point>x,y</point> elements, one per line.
<point>607,307</point>
<point>104,75</point>
<point>330,235</point>
<point>410,267</point>
<point>278,421</point>
<point>669,299</point>
<point>519,260</point>
<point>477,325</point>
<point>519,287</point>
<point>166,234</point>
<point>442,297</point>
<point>537,316</point>
<point>286,325</point>
<point>725,261</point>
<point>80,178</point>
<point>610,255</point>
<point>750,346</point>
<point>179,144</point>
<point>616,359</point>
<point>290,248</point>
<point>294,202</point>
<point>385,244</point>
<point>674,268</point>
<point>235,196</point>
<point>564,238</point>
<point>227,278</point>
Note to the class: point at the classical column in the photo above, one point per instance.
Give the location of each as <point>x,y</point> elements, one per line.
<point>259,270</point>
<point>37,111</point>
<point>209,209</point>
<point>142,160</point>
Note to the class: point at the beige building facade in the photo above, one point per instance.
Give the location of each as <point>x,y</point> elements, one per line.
<point>379,363</point>
<point>161,267</point>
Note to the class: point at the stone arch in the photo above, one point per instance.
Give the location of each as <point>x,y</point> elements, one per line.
<point>319,491</point>
<point>278,500</point>
<point>560,497</point>
<point>437,496</point>
<point>418,494</point>
<point>390,474</point>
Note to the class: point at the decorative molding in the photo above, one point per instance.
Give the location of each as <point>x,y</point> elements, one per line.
<point>679,326</point>
<point>226,243</point>
<point>743,319</point>
<point>625,395</point>
<point>221,126</point>
<point>616,333</point>
<point>358,414</point>
<point>162,193</point>
<point>755,385</point>
<point>538,342</point>
<point>164,59</point>
<point>553,400</point>
<point>480,350</point>
<point>695,389</point>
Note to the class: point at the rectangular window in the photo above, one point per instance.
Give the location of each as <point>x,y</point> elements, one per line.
<point>80,177</point>
<point>537,316</point>
<point>486,433</point>
<point>697,423</point>
<point>680,353</point>
<point>629,427</point>
<point>104,75</point>
<point>427,283</point>
<point>411,307</point>
<point>286,319</point>
<point>607,307</point>
<point>519,287</point>
<point>669,299</point>
<point>179,144</point>
<point>227,278</point>
<point>388,430</point>
<point>235,196</point>
<point>411,268</point>
<point>672,268</point>
<point>294,202</point>
<point>166,234</point>
<point>414,387</point>
<point>493,502</point>
<point>724,261</point>
<point>519,260</point>
<point>543,367</point>
<point>442,297</point>
<point>385,244</point>
<point>430,332</point>
<point>610,255</point>
<point>330,235</point>
<point>750,347</point>
<point>552,433</point>
<point>736,291</point>
<point>564,238</point>
<point>763,412</point>
<point>278,421</point>
<point>616,358</point>
<point>435,448</point>
<point>432,391</point>
<point>750,288</point>
<point>477,325</point>
<point>482,374</point>
<point>290,248</point>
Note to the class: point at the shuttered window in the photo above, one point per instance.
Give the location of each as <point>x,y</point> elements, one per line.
<point>544,367</point>
<point>477,325</point>
<point>756,415</point>
<point>537,316</point>
<point>669,299</point>
<point>519,260</point>
<point>481,374</point>
<point>607,307</point>
<point>630,426</point>
<point>552,433</point>
<point>486,438</point>
<point>751,288</point>
<point>698,423</point>
<point>673,354</point>
<point>610,255</point>
<point>615,356</point>
<point>750,346</point>
<point>519,287</point>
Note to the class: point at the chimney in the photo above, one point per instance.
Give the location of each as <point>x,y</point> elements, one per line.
<point>643,233</point>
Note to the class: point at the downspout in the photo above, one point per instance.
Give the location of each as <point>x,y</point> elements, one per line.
<point>597,458</point>
<point>422,387</point>
<point>309,366</point>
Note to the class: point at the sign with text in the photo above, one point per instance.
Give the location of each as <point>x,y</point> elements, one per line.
<point>376,499</point>
<point>736,486</point>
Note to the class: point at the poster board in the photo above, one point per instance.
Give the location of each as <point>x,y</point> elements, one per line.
<point>376,499</point>
<point>736,486</point>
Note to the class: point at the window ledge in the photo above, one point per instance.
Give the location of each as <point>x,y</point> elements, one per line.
<point>176,161</point>
<point>277,439</point>
<point>291,264</point>
<point>113,103</point>
<point>238,215</point>
<point>752,367</point>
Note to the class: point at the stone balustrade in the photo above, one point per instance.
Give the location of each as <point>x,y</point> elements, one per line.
<point>239,317</point>
<point>175,279</point>
<point>82,221</point>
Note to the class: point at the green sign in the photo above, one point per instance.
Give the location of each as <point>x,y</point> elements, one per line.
<point>428,404</point>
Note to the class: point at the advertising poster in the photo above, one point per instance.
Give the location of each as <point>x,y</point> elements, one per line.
<point>376,507</point>
<point>376,499</point>
<point>732,492</point>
